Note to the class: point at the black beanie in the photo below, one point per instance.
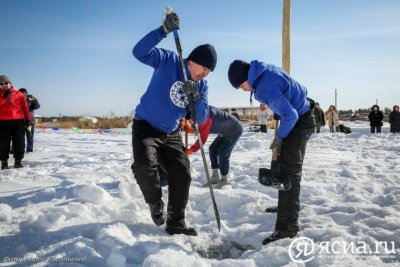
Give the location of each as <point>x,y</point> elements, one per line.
<point>204,55</point>
<point>23,90</point>
<point>238,72</point>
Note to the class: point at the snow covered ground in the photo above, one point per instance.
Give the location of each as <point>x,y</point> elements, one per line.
<point>76,204</point>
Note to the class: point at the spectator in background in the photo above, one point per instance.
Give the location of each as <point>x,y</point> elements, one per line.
<point>375,119</point>
<point>319,117</point>
<point>333,119</point>
<point>235,114</point>
<point>229,130</point>
<point>14,113</point>
<point>262,117</point>
<point>33,104</point>
<point>394,120</point>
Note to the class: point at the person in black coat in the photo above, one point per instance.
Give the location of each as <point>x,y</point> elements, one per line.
<point>319,118</point>
<point>33,105</point>
<point>235,114</point>
<point>394,120</point>
<point>375,117</point>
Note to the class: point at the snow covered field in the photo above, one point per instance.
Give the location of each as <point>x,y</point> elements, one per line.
<point>76,204</point>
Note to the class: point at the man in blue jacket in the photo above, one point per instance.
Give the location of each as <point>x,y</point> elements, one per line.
<point>155,137</point>
<point>288,99</point>
<point>33,105</point>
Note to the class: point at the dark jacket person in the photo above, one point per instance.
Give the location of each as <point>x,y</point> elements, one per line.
<point>375,117</point>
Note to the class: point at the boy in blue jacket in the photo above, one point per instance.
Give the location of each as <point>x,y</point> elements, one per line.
<point>288,99</point>
<point>155,137</point>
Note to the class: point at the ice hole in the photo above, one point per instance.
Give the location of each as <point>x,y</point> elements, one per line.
<point>226,250</point>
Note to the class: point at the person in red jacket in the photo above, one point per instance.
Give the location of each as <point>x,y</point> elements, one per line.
<point>14,115</point>
<point>229,130</point>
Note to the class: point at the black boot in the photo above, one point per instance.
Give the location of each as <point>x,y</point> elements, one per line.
<point>158,213</point>
<point>271,209</point>
<point>18,164</point>
<point>180,230</point>
<point>278,235</point>
<point>4,164</point>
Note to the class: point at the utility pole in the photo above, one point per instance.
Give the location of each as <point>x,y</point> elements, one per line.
<point>285,65</point>
<point>336,99</point>
<point>286,36</point>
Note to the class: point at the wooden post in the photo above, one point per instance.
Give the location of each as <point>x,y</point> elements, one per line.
<point>285,55</point>
<point>286,36</point>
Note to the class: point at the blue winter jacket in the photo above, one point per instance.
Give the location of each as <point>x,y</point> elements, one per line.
<point>224,123</point>
<point>164,103</point>
<point>33,105</point>
<point>285,96</point>
<point>219,122</point>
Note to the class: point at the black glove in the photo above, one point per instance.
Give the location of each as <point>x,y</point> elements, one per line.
<point>171,23</point>
<point>27,123</point>
<point>190,88</point>
<point>277,117</point>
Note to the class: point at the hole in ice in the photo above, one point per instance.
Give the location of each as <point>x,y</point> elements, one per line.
<point>226,250</point>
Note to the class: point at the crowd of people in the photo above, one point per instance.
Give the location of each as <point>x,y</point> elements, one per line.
<point>375,117</point>
<point>331,118</point>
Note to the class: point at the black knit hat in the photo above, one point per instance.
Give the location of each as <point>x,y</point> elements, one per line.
<point>23,90</point>
<point>4,79</point>
<point>238,72</point>
<point>204,55</point>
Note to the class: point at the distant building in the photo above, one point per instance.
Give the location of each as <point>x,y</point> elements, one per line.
<point>38,118</point>
<point>249,114</point>
<point>246,113</point>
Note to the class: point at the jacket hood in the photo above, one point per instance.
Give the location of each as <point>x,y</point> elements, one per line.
<point>395,106</point>
<point>374,107</point>
<point>257,68</point>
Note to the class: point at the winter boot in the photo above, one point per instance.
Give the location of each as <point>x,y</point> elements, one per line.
<point>180,229</point>
<point>278,235</point>
<point>224,181</point>
<point>4,164</point>
<point>215,176</point>
<point>158,213</point>
<point>18,164</point>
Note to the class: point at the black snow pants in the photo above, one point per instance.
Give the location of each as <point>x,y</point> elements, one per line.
<point>12,130</point>
<point>151,148</point>
<point>291,163</point>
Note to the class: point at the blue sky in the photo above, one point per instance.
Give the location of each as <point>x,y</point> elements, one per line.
<point>75,55</point>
